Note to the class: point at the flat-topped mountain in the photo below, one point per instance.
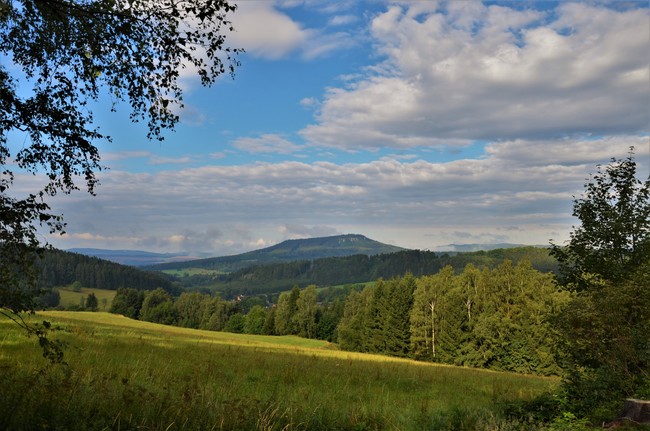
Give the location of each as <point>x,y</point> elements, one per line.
<point>290,250</point>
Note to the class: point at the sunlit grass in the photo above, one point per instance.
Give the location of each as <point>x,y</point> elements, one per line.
<point>155,377</point>
<point>71,297</point>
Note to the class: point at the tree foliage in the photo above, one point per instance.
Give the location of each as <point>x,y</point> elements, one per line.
<point>613,238</point>
<point>158,307</point>
<point>61,268</point>
<point>127,302</point>
<point>285,312</point>
<point>305,318</point>
<point>60,57</point>
<point>603,332</point>
<point>91,302</point>
<point>495,318</point>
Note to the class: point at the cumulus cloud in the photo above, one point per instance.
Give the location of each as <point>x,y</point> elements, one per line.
<point>463,71</point>
<point>253,22</point>
<point>546,95</point>
<point>265,31</point>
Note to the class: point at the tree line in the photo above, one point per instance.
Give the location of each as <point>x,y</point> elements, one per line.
<point>299,312</point>
<point>489,318</point>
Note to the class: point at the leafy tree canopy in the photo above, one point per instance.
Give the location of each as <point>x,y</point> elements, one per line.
<point>603,331</point>
<point>613,238</point>
<point>57,57</point>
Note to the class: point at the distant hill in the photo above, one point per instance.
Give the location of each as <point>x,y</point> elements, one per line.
<point>340,270</point>
<point>60,268</point>
<point>289,251</point>
<point>133,257</point>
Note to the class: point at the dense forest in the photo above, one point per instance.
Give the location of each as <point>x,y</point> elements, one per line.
<point>61,268</point>
<point>332,271</point>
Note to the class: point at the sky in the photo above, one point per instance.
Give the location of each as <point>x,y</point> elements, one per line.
<point>419,124</point>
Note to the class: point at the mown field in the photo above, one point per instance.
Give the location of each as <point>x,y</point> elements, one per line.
<point>124,374</point>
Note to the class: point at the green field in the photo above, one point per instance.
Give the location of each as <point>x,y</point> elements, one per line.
<point>188,272</point>
<point>125,374</point>
<point>71,297</point>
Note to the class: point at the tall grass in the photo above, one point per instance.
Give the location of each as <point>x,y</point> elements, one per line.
<point>125,374</point>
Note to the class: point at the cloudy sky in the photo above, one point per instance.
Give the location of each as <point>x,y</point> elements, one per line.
<point>418,124</point>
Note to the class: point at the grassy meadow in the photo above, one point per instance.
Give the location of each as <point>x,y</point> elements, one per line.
<point>124,374</point>
<point>73,297</point>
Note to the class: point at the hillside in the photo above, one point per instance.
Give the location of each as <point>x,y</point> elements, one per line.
<point>61,268</point>
<point>332,271</point>
<point>288,251</point>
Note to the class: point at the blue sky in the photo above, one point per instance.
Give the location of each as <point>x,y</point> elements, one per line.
<point>419,124</point>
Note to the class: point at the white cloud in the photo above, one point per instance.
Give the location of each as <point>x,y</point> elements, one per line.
<point>338,20</point>
<point>152,158</point>
<point>218,155</point>
<point>322,43</point>
<point>265,32</point>
<point>567,151</point>
<point>157,160</point>
<point>476,72</point>
<point>297,231</point>
<point>521,192</point>
<point>191,116</point>
<point>124,155</point>
<point>267,143</point>
<point>548,95</point>
<point>309,102</point>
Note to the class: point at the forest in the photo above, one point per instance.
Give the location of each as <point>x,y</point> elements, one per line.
<point>488,318</point>
<point>57,268</point>
<point>359,268</point>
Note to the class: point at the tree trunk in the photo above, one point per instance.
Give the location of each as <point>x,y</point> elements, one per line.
<point>432,306</point>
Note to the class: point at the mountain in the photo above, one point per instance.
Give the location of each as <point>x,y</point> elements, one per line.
<point>288,251</point>
<point>133,257</point>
